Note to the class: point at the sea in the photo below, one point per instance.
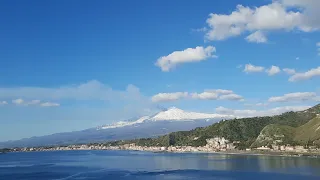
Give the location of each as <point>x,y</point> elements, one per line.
<point>136,165</point>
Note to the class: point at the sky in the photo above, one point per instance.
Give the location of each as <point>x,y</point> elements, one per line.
<point>72,65</point>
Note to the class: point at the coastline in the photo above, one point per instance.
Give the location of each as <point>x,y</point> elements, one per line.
<point>233,152</point>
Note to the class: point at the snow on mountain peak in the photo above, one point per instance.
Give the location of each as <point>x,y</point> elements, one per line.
<point>125,123</point>
<point>174,113</point>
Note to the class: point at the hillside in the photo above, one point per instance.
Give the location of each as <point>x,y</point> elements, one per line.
<point>245,130</point>
<point>307,134</point>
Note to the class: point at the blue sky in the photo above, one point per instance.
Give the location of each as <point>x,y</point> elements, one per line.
<point>71,65</point>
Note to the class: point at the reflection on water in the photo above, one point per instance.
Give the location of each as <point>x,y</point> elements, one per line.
<point>116,164</point>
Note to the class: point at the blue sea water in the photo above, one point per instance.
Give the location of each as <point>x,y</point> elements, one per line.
<point>134,165</point>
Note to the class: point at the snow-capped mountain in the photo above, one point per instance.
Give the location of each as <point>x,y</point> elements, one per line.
<point>124,123</point>
<point>170,120</point>
<point>178,114</point>
<point>172,114</point>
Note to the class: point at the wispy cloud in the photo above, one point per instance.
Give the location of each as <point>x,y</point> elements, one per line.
<point>49,104</point>
<point>210,94</point>
<point>253,112</point>
<point>305,75</point>
<point>297,96</point>
<point>289,71</point>
<point>3,102</point>
<point>166,97</point>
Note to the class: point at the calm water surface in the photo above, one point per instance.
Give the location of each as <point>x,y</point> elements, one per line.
<point>114,165</point>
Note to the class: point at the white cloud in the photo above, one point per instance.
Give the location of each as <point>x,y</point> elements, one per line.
<point>231,97</point>
<point>251,68</point>
<point>253,113</point>
<point>257,104</point>
<point>18,101</point>
<point>210,94</point>
<point>220,91</point>
<point>305,75</point>
<point>166,63</point>
<point>33,103</point>
<point>166,97</point>
<point>205,95</point>
<point>257,37</point>
<point>91,90</point>
<point>289,71</point>
<point>3,102</point>
<point>279,15</point>
<point>49,104</point>
<point>273,70</point>
<point>298,96</point>
<point>217,94</point>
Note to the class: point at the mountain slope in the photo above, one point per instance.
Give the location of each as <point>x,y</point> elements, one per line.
<point>245,130</point>
<point>307,134</point>
<point>164,122</point>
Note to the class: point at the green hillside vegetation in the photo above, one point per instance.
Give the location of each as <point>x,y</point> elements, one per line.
<point>307,134</point>
<point>275,134</point>
<point>245,130</point>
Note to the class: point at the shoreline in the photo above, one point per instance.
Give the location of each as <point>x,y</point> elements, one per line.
<point>236,153</point>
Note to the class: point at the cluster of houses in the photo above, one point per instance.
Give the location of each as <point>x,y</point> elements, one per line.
<point>216,144</point>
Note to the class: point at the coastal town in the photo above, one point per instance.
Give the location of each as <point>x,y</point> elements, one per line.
<point>214,145</point>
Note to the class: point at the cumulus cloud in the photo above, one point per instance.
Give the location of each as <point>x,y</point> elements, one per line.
<point>166,97</point>
<point>249,68</point>
<point>257,37</point>
<point>289,71</point>
<point>298,96</point>
<point>273,70</point>
<point>253,113</point>
<point>305,75</point>
<point>278,15</point>
<point>166,63</point>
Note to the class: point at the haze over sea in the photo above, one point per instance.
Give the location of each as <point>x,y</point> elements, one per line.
<point>96,165</point>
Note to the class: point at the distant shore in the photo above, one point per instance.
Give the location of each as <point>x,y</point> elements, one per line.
<point>167,150</point>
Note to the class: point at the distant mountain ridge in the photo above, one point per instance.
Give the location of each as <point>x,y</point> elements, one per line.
<point>166,121</point>
<point>174,126</point>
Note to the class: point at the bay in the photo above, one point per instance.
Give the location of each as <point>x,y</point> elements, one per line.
<point>114,165</point>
